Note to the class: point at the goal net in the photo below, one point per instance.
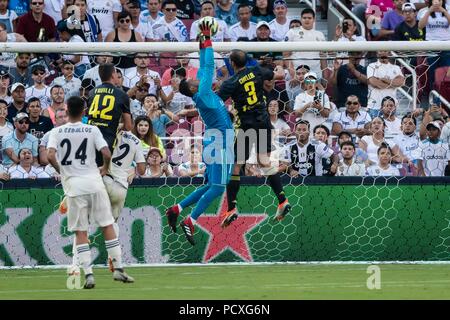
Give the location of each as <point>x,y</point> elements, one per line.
<point>364,215</point>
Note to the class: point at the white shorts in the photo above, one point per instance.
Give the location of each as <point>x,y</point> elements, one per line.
<point>89,209</point>
<point>117,195</point>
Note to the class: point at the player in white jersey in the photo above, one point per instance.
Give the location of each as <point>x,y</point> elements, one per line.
<point>71,151</point>
<point>433,154</point>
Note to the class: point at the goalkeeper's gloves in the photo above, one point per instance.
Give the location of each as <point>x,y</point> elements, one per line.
<point>205,35</point>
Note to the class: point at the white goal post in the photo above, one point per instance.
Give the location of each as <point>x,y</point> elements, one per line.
<point>153,47</point>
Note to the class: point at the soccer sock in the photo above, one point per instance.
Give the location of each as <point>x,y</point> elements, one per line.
<point>194,197</point>
<point>114,252</point>
<point>116,229</point>
<point>232,191</point>
<point>84,257</point>
<point>75,261</point>
<point>277,187</point>
<point>204,202</point>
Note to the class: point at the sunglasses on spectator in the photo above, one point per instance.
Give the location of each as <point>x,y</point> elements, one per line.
<point>171,9</point>
<point>37,3</point>
<point>125,20</point>
<point>353,103</point>
<point>24,121</point>
<point>310,80</point>
<point>141,89</point>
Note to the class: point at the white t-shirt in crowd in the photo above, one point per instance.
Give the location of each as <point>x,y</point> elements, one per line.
<point>278,31</point>
<point>381,70</point>
<point>236,31</point>
<point>434,156</point>
<point>220,36</point>
<point>312,115</point>
<point>376,170</point>
<point>104,11</point>
<point>437,28</point>
<point>54,9</point>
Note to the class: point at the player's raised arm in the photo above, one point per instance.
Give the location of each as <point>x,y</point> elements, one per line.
<point>206,72</point>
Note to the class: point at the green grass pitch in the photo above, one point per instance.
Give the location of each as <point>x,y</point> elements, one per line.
<point>299,281</point>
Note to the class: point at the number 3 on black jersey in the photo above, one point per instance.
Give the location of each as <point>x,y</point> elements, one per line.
<point>251,91</point>
<point>107,104</point>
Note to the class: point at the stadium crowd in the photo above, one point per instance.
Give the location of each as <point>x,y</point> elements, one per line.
<point>333,115</point>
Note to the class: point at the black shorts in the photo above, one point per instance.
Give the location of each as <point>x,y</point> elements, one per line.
<point>255,133</point>
<point>111,141</point>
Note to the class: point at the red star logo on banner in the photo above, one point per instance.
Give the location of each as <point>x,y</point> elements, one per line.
<point>232,237</point>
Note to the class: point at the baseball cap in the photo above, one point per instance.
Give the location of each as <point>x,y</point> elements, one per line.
<point>434,124</point>
<point>311,75</point>
<point>408,6</point>
<point>16,85</point>
<point>4,73</point>
<point>37,67</point>
<point>155,149</point>
<point>278,3</point>
<point>262,23</point>
<point>21,116</point>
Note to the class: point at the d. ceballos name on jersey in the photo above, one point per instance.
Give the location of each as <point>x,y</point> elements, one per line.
<point>75,130</point>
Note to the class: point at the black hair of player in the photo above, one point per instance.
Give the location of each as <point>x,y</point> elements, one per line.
<point>75,107</point>
<point>185,89</point>
<point>239,58</point>
<point>106,71</point>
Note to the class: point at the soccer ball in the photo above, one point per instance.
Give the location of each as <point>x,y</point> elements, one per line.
<point>213,22</point>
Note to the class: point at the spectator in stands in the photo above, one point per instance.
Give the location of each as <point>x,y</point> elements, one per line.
<point>244,28</point>
<point>295,23</point>
<point>143,129</point>
<point>7,16</point>
<point>5,126</point>
<point>135,74</point>
<point>384,166</point>
<point>61,118</point>
<point>120,79</point>
<point>352,119</point>
<point>25,168</point>
<point>371,143</point>
<point>107,13</point>
<point>296,84</point>
<point>280,25</point>
<point>306,156</point>
<point>54,9</point>
<point>194,167</point>
<point>227,10</point>
<point>383,78</point>
<point>124,33</point>
<point>273,91</point>
<point>39,125</point>
<point>92,73</point>
<point>393,123</point>
<point>348,31</point>
<point>137,94</point>
<point>321,134</point>
<point>143,28</point>
<point>187,9</point>
<point>18,103</point>
<point>436,21</point>
<point>207,10</point>
<point>5,82</point>
<point>169,27</point>
<point>159,115</point>
<point>391,20</point>
<point>21,73</point>
<point>90,25</point>
<point>70,84</point>
<point>262,11</point>
<point>278,123</point>
<point>263,35</point>
<point>39,89</point>
<point>306,33</point>
<point>156,167</point>
<point>176,102</point>
<point>349,79</point>
<point>445,134</point>
<point>57,98</point>
<point>152,13</point>
<point>13,142</point>
<point>375,11</point>
<point>435,112</point>
<point>360,155</point>
<point>348,166</point>
<point>37,26</point>
<point>183,61</point>
<point>408,29</point>
<point>433,154</point>
<point>408,142</point>
<point>8,58</point>
<point>312,105</point>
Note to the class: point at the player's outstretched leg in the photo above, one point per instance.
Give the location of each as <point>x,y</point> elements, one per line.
<point>187,225</point>
<point>173,212</point>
